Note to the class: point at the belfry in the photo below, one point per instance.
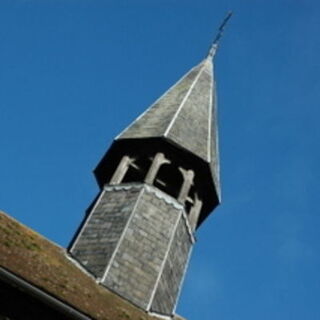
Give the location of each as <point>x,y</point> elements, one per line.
<point>158,182</point>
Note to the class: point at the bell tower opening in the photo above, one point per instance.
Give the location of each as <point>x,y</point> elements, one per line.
<point>169,179</point>
<point>137,170</point>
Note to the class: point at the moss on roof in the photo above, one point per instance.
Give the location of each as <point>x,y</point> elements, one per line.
<point>46,265</point>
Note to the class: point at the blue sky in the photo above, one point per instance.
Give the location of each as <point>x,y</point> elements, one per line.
<point>75,73</point>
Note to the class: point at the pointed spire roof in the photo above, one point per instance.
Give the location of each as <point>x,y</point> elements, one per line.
<point>185,115</point>
<point>182,124</point>
<point>181,112</point>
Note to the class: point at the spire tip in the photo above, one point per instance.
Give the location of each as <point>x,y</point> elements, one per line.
<point>215,43</point>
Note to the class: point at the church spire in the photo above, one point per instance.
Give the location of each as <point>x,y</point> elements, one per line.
<point>215,43</point>
<point>159,181</point>
<point>182,124</point>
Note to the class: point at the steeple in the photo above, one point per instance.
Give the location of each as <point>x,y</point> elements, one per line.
<point>184,121</point>
<point>159,181</point>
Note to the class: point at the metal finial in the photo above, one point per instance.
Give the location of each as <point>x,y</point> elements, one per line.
<point>215,43</point>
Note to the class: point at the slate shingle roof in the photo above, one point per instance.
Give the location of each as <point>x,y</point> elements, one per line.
<point>186,116</point>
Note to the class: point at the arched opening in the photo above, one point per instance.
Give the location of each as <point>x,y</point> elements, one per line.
<point>169,179</point>
<point>137,170</point>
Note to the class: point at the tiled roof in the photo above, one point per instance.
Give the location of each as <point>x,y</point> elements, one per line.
<point>45,265</point>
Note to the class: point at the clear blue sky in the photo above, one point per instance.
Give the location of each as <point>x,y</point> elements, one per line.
<point>74,73</point>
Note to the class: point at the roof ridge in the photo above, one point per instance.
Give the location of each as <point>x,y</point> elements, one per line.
<point>183,102</point>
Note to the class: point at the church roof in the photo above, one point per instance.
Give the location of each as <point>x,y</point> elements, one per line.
<point>45,265</point>
<point>185,116</point>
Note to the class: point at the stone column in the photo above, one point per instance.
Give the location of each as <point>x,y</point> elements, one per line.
<point>121,170</point>
<point>157,162</point>
<point>188,176</point>
<point>195,212</point>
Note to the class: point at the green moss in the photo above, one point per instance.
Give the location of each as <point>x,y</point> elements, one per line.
<point>32,246</point>
<point>7,244</point>
<point>124,314</point>
<point>62,285</point>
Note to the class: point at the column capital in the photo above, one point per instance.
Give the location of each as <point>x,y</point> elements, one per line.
<point>122,169</point>
<point>158,160</point>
